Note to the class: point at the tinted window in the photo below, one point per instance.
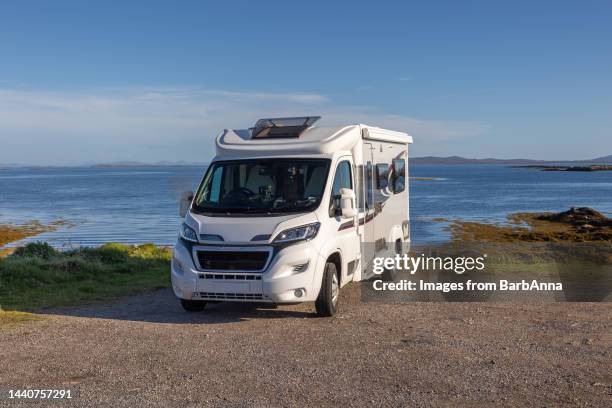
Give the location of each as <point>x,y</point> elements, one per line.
<point>215,185</point>
<point>262,186</point>
<point>382,175</point>
<point>369,185</point>
<point>399,175</point>
<point>360,187</point>
<point>342,179</point>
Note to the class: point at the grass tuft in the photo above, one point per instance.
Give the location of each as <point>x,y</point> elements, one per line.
<point>37,249</point>
<point>37,276</point>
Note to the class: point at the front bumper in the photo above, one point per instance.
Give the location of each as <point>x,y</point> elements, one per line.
<point>292,275</point>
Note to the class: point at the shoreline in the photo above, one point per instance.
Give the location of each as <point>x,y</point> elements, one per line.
<point>578,224</point>
<point>10,233</point>
<point>90,274</point>
<point>585,168</point>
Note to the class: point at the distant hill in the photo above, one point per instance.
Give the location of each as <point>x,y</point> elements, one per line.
<point>604,160</point>
<point>104,165</point>
<point>413,160</point>
<point>520,162</point>
<point>143,164</point>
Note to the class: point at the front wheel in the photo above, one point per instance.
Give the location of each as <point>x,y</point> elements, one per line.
<point>327,301</point>
<point>193,305</point>
<point>392,275</point>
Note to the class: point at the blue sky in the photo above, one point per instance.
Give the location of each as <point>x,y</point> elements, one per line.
<point>84,82</point>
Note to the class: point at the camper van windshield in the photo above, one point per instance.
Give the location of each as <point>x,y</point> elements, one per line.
<point>262,186</point>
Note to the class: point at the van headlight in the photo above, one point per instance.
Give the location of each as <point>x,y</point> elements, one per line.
<point>298,233</point>
<point>187,233</point>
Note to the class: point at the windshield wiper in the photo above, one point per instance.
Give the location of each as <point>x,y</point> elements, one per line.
<point>220,209</point>
<point>301,205</point>
<point>244,210</point>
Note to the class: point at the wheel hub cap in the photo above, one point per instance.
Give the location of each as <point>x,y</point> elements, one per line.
<point>335,289</point>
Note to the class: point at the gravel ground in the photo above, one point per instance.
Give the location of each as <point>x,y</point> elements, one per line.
<point>146,351</point>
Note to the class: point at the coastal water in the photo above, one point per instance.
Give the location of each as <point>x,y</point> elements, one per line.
<point>140,204</point>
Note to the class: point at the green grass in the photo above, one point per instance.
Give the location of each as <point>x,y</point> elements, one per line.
<point>37,276</point>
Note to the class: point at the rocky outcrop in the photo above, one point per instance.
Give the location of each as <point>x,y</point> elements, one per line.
<point>578,217</point>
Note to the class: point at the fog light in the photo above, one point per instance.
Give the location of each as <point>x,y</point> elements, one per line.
<point>300,268</point>
<point>298,293</point>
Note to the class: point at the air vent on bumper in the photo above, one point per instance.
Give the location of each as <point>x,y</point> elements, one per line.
<point>210,259</point>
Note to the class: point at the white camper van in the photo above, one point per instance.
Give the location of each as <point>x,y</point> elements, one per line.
<point>288,212</point>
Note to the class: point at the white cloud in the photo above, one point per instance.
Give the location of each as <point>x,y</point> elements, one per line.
<point>167,123</point>
<point>424,129</point>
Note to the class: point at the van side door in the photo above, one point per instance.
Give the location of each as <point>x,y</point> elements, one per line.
<point>347,237</point>
<point>367,211</point>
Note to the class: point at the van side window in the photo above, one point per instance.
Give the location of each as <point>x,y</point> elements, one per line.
<point>369,190</point>
<point>360,187</point>
<point>382,175</point>
<point>214,192</point>
<point>399,175</point>
<point>342,179</point>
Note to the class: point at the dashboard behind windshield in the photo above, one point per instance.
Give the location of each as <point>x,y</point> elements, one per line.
<point>262,186</point>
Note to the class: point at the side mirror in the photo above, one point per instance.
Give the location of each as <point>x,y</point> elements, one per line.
<point>347,203</point>
<point>185,202</point>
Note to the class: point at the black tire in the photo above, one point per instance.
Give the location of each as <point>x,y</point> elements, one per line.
<point>270,306</point>
<point>392,275</point>
<point>193,305</point>
<point>327,301</point>
<point>389,275</point>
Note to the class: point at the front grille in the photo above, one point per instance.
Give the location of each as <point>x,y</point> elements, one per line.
<point>231,296</point>
<point>230,276</point>
<point>253,261</point>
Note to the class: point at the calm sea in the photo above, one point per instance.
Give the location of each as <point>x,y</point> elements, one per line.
<point>140,204</point>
